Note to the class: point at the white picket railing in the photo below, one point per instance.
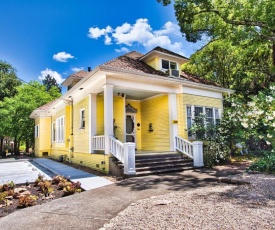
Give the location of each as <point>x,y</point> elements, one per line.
<point>98,142</point>
<point>184,146</point>
<point>193,150</point>
<point>116,148</point>
<point>125,153</point>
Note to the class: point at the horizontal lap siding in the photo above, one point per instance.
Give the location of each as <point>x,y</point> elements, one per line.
<point>100,115</point>
<point>81,136</point>
<point>119,113</point>
<point>43,142</point>
<point>188,99</point>
<point>156,111</point>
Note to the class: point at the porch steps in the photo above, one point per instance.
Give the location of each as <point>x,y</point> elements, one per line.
<point>161,163</point>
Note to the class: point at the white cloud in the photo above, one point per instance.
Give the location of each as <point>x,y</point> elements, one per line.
<point>122,50</point>
<point>62,56</point>
<point>141,33</point>
<point>75,69</point>
<point>52,73</point>
<point>108,40</point>
<point>168,28</point>
<point>95,32</point>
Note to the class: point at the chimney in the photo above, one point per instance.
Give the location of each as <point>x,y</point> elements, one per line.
<point>89,69</point>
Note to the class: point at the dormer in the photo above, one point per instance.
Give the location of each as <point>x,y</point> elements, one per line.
<point>74,78</point>
<point>165,60</point>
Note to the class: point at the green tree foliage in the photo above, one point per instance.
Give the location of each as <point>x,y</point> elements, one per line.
<point>242,69</point>
<point>247,24</point>
<point>50,82</point>
<point>8,80</point>
<point>15,111</point>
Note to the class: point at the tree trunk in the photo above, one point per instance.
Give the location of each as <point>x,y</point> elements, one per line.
<point>1,144</point>
<point>27,146</point>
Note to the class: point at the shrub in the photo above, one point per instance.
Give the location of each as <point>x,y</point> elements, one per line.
<point>26,201</point>
<point>265,163</point>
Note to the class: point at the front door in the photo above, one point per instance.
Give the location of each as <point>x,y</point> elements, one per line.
<point>130,128</point>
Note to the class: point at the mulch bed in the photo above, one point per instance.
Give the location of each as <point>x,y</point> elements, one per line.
<point>34,190</point>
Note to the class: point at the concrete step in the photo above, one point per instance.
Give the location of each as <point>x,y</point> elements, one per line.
<point>160,160</point>
<point>163,162</point>
<point>167,166</point>
<point>162,171</point>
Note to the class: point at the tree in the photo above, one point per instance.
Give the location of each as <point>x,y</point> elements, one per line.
<point>8,83</point>
<point>15,111</point>
<point>50,82</point>
<point>8,80</point>
<point>246,23</point>
<point>235,67</point>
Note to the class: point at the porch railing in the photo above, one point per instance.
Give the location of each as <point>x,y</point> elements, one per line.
<point>125,153</point>
<point>98,142</point>
<point>193,150</point>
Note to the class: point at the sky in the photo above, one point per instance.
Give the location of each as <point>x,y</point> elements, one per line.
<point>60,37</point>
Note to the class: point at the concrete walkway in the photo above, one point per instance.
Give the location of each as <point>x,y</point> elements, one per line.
<point>92,209</point>
<point>88,181</point>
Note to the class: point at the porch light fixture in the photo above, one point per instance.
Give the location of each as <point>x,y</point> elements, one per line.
<point>150,127</point>
<point>120,94</point>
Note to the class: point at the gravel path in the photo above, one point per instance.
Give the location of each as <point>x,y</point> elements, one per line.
<point>224,206</point>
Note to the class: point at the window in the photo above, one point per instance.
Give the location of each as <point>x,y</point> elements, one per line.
<point>53,132</point>
<point>60,129</point>
<point>82,118</point>
<point>165,64</point>
<point>212,115</point>
<point>36,131</point>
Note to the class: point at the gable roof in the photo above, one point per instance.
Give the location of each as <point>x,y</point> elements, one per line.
<point>80,74</point>
<point>131,62</point>
<point>160,49</point>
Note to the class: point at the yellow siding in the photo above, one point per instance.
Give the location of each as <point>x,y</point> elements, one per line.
<point>156,111</point>
<point>100,114</point>
<point>119,112</point>
<point>187,99</point>
<point>154,63</point>
<point>136,105</point>
<point>81,136</point>
<point>43,142</point>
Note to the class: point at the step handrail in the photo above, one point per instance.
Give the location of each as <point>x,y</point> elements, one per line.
<point>184,146</point>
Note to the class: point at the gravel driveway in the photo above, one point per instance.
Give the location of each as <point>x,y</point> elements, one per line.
<point>225,206</point>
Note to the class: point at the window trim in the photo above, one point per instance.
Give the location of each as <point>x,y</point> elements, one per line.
<point>36,131</point>
<point>53,132</point>
<point>82,118</point>
<point>204,112</point>
<point>60,129</point>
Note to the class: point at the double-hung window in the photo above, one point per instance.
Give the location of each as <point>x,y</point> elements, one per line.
<point>60,129</point>
<point>82,118</point>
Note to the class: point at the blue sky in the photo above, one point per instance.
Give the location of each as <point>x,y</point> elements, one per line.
<point>59,37</point>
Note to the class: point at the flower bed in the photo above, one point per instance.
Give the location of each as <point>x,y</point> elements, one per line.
<point>13,197</point>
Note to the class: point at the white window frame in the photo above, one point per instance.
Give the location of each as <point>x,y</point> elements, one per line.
<point>36,131</point>
<point>53,132</point>
<point>169,64</point>
<point>214,109</point>
<point>60,129</point>
<point>82,118</point>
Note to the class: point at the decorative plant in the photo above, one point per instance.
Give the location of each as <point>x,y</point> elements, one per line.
<point>3,195</point>
<point>8,186</point>
<point>39,179</point>
<point>57,179</point>
<point>72,188</point>
<point>45,187</point>
<point>26,201</point>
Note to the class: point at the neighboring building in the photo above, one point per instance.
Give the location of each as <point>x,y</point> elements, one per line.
<point>135,101</point>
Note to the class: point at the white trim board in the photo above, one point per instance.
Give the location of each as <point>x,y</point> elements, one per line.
<point>201,92</point>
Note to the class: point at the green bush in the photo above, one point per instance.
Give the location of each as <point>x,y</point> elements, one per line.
<point>265,163</point>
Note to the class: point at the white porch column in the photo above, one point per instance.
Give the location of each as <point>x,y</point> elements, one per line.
<point>198,153</point>
<point>92,120</point>
<point>173,119</point>
<point>108,115</point>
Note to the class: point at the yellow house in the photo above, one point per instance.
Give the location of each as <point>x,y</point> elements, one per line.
<point>132,104</point>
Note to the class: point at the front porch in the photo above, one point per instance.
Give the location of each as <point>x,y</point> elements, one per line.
<point>128,157</point>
